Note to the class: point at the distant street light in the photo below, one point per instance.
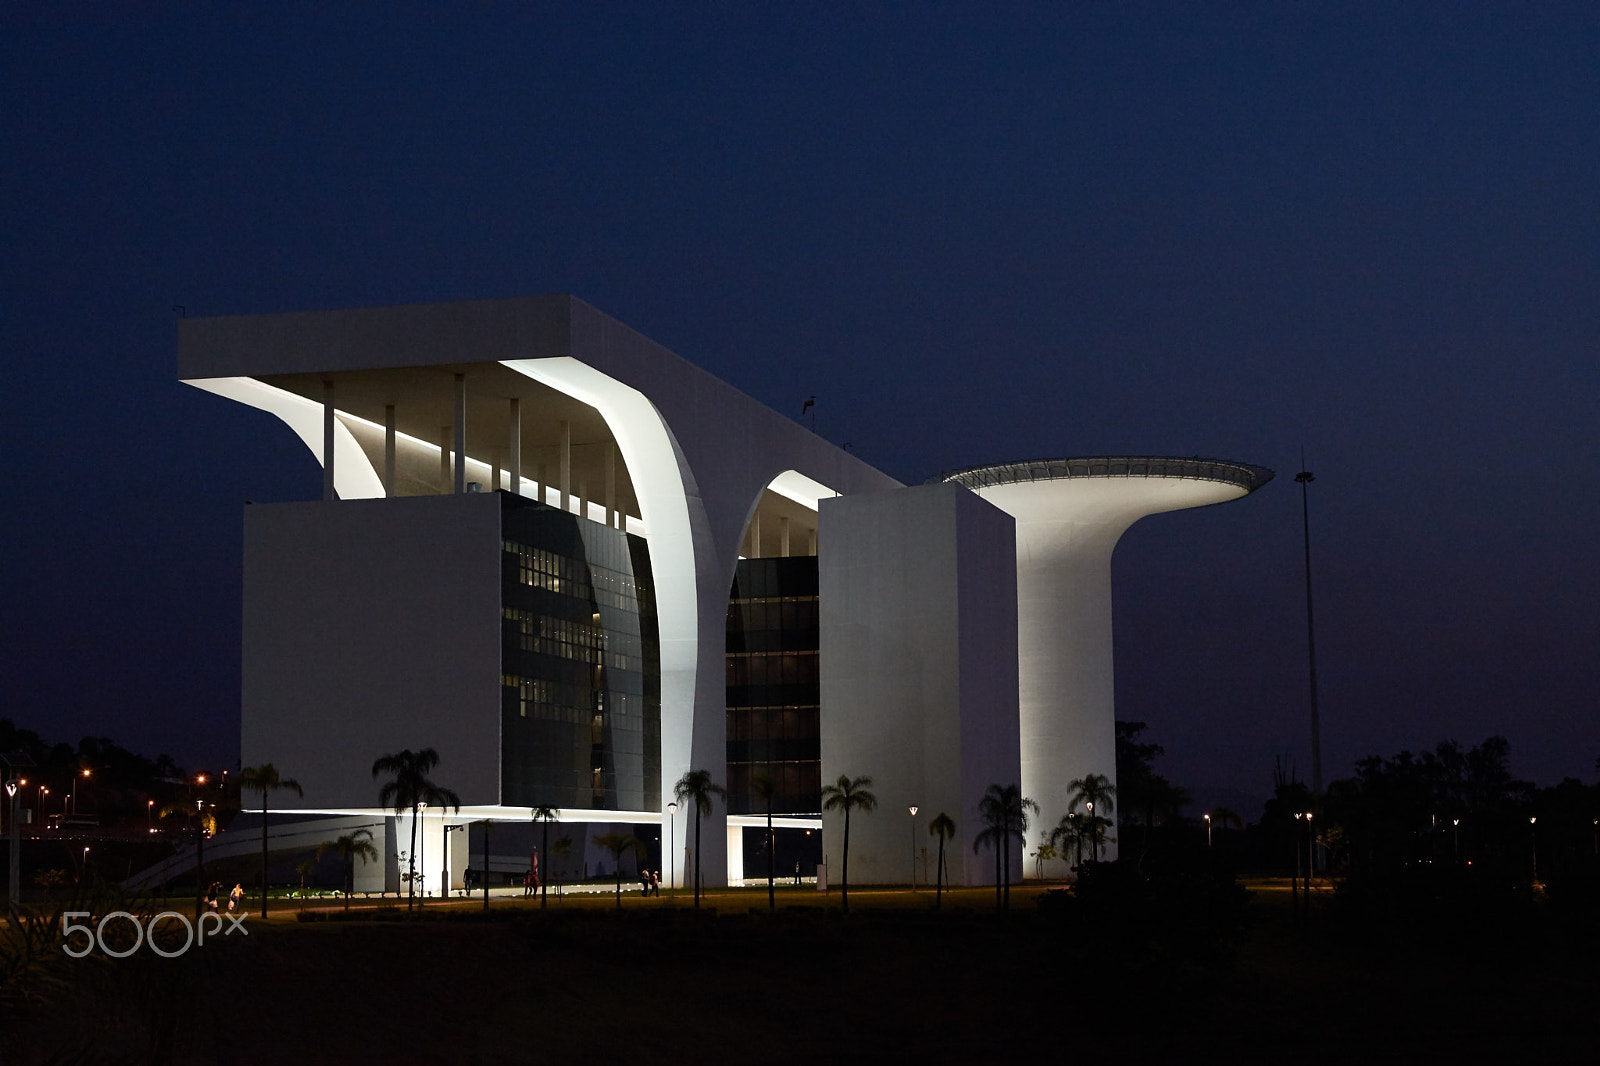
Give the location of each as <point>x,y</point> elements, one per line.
<point>150,816</point>
<point>15,851</point>
<point>913,847</point>
<point>418,871</point>
<point>1455,830</point>
<point>672,844</point>
<point>1208,830</point>
<point>1533,838</point>
<point>1304,478</point>
<point>1311,855</point>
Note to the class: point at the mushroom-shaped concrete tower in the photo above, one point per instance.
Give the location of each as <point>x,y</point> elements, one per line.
<point>1070,514</point>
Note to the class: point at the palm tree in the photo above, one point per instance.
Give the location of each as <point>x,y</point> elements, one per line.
<point>847,795</point>
<point>348,847</point>
<point>945,829</point>
<point>1069,833</point>
<point>616,844</point>
<point>545,815</point>
<point>407,787</point>
<point>265,780</point>
<point>765,787</point>
<point>1004,810</point>
<point>1096,791</point>
<point>1094,831</point>
<point>697,785</point>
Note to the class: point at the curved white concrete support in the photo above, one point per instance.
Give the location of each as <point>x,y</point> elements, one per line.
<point>354,476</point>
<point>669,503</point>
<point>1067,529</point>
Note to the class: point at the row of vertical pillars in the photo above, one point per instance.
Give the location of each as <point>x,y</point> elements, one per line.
<point>752,547</point>
<point>453,456</point>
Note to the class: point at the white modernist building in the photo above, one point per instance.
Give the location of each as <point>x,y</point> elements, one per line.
<point>577,567</point>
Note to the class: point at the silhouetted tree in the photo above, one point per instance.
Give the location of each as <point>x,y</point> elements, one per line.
<point>697,785</point>
<point>266,780</point>
<point>348,847</point>
<point>1004,810</point>
<point>408,787</point>
<point>945,829</point>
<point>1096,792</point>
<point>847,795</point>
<point>545,815</point>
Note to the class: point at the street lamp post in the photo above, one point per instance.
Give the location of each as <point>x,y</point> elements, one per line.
<point>199,854</point>
<point>16,847</point>
<point>1094,837</point>
<point>84,773</point>
<point>1311,855</point>
<point>150,816</point>
<point>418,870</point>
<point>1208,830</point>
<point>1455,832</point>
<point>1304,478</point>
<point>1533,839</point>
<point>913,809</point>
<point>672,844</point>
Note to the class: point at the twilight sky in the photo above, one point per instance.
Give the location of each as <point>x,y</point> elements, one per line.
<point>975,233</point>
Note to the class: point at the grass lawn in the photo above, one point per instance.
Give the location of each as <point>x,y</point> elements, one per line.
<point>891,981</point>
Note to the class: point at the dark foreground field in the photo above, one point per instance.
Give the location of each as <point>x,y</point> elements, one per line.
<point>893,981</point>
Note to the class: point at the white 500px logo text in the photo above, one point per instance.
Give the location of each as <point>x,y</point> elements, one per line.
<point>96,936</point>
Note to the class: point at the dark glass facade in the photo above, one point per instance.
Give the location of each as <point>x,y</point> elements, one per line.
<point>580,664</point>
<point>773,692</point>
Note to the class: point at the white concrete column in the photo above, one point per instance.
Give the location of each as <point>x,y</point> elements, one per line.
<point>611,484</point>
<point>783,537</point>
<point>583,499</point>
<point>495,466</point>
<point>461,434</point>
<point>566,466</point>
<point>388,450</point>
<point>542,483</point>
<point>755,534</point>
<point>813,550</point>
<point>327,439</point>
<point>444,460</point>
<point>514,431</point>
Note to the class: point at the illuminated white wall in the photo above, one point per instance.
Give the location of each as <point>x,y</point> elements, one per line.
<point>1066,532</point>
<point>918,602</point>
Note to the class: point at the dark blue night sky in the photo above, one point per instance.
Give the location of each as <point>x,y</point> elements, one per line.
<point>974,233</point>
